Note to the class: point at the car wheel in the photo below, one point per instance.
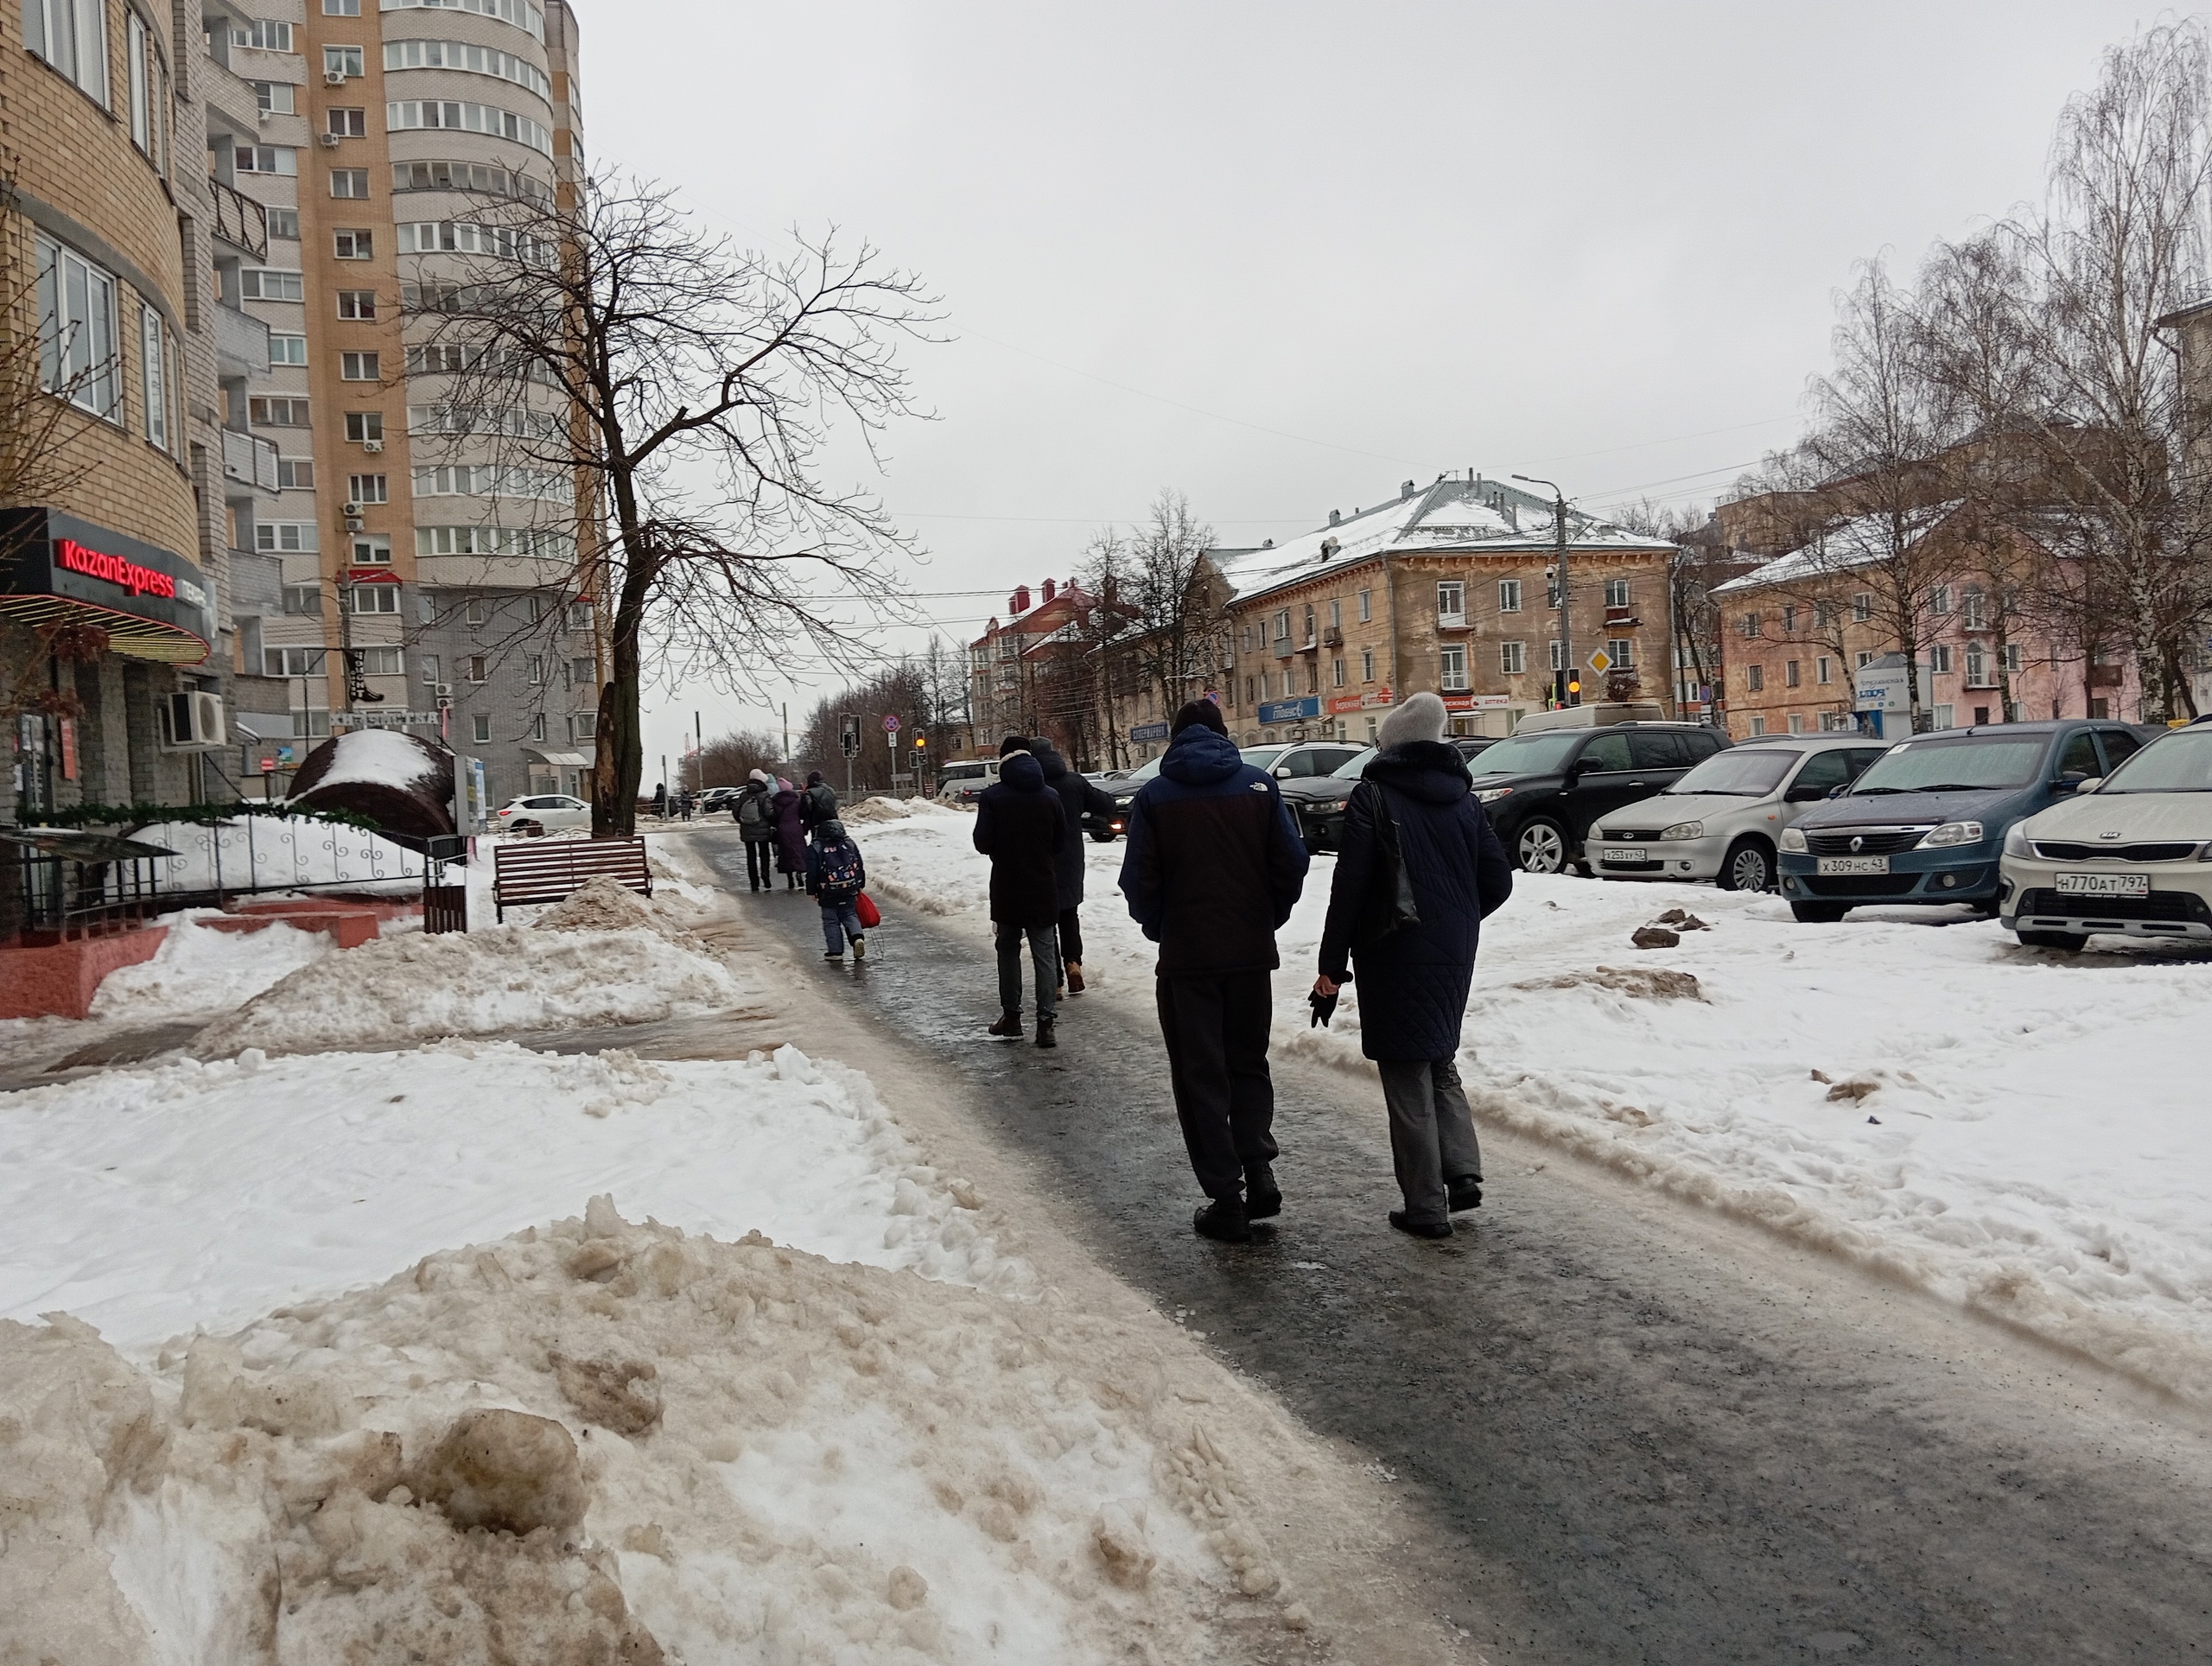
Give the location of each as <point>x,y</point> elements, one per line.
<point>529,830</point>
<point>1101,835</point>
<point>1541,847</point>
<point>1749,866</point>
<point>1819,913</point>
<point>2067,943</point>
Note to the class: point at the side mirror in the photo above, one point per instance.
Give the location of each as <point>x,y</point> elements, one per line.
<point>2074,781</point>
<point>1805,794</point>
<point>1282,772</point>
<point>1838,790</point>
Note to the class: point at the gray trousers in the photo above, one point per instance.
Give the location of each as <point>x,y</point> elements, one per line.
<point>1043,963</point>
<point>1432,1133</point>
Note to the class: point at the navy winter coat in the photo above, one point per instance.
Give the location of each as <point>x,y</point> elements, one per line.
<point>1214,866</point>
<point>1413,984</point>
<point>1077,797</point>
<point>1018,826</point>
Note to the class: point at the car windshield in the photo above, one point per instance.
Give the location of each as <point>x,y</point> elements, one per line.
<point>2180,762</point>
<point>1744,772</point>
<point>1356,765</point>
<point>1526,754</point>
<point>1263,757</point>
<point>1970,764</point>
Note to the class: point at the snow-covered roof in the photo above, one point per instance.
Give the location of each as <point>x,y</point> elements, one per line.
<point>1858,542</point>
<point>1478,517</point>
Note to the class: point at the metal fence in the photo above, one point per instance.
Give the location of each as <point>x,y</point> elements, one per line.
<point>267,852</point>
<point>74,885</point>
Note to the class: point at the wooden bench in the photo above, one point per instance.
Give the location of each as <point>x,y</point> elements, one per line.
<point>548,870</point>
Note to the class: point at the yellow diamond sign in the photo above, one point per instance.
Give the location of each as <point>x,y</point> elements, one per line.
<point>1601,662</point>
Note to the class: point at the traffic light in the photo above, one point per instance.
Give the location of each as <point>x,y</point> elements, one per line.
<point>1574,688</point>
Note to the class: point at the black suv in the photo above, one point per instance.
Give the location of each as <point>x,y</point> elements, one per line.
<point>1544,789</point>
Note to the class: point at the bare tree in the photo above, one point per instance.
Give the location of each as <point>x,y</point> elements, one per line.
<point>701,384</point>
<point>1178,629</point>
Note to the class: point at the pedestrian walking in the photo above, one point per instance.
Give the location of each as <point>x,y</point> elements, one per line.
<point>1078,798</point>
<point>818,803</point>
<point>790,837</point>
<point>1413,818</point>
<point>660,800</point>
<point>835,877</point>
<point>755,813</point>
<point>1018,826</point>
<point>1212,870</point>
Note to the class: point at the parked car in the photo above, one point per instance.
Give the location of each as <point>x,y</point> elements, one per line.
<point>1123,790</point>
<point>543,812</point>
<point>1545,790</point>
<point>1927,820</point>
<point>1720,822</point>
<point>2130,856</point>
<point>716,798</point>
<point>962,783</point>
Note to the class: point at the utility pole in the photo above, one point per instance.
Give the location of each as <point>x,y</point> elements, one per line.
<point>1566,673</point>
<point>787,732</point>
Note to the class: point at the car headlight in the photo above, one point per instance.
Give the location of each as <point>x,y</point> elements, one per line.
<point>2015,842</point>
<point>1490,795</point>
<point>1683,831</point>
<point>1793,839</point>
<point>1955,833</point>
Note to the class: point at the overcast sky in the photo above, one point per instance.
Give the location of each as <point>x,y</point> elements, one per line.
<point>1283,255</point>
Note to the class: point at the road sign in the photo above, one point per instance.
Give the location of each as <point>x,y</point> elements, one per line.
<point>891,722</point>
<point>1601,662</point>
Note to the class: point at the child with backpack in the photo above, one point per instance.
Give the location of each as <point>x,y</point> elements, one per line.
<point>834,876</point>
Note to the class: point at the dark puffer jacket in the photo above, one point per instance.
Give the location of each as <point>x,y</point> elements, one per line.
<point>1018,825</point>
<point>1413,984</point>
<point>1077,797</point>
<point>1214,866</point>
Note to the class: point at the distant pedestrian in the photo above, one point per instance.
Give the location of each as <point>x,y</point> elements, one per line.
<point>1413,811</point>
<point>755,812</point>
<point>660,800</point>
<point>834,878</point>
<point>1018,826</point>
<point>790,837</point>
<point>684,804</point>
<point>818,803</point>
<point>1078,798</point>
<point>1212,870</point>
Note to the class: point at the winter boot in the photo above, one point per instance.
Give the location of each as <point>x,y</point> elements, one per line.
<point>837,955</point>
<point>860,948</point>
<point>1008,1024</point>
<point>1464,1192</point>
<point>1262,1197</point>
<point>1046,1038</point>
<point>1075,977</point>
<point>1223,1220</point>
<point>1405,1222</point>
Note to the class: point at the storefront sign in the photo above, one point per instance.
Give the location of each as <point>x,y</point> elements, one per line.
<point>1290,711</point>
<point>1341,703</point>
<point>118,570</point>
<point>1374,698</point>
<point>55,569</point>
<point>402,719</point>
<point>1476,702</point>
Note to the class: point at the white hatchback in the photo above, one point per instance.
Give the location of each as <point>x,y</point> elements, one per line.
<point>542,812</point>
<point>1721,820</point>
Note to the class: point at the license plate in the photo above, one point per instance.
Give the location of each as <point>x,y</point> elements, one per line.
<point>1854,865</point>
<point>1615,853</point>
<point>2104,885</point>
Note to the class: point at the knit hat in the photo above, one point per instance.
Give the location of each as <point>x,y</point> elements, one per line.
<point>1012,744</point>
<point>1203,713</point>
<point>760,775</point>
<point>1422,718</point>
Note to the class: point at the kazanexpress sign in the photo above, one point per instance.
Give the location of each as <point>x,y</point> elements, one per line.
<point>118,570</point>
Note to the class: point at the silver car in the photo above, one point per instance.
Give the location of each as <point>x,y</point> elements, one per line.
<point>1720,821</point>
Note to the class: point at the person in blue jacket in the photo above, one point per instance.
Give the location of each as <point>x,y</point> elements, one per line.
<point>1212,870</point>
<point>1413,980</point>
<point>835,876</point>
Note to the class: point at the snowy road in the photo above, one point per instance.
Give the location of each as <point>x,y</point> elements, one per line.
<point>1626,1428</point>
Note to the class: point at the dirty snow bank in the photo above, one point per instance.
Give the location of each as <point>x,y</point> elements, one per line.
<point>199,969</point>
<point>604,1441</point>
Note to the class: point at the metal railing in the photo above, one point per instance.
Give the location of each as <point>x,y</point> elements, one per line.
<point>267,852</point>
<point>63,898</point>
<point>250,460</point>
<point>240,220</point>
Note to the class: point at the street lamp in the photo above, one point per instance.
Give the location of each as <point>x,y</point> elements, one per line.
<point>1565,676</point>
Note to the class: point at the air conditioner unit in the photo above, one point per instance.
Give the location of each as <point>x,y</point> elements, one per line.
<point>330,142</point>
<point>442,690</point>
<point>193,722</point>
<point>351,510</point>
<point>372,445</point>
<point>333,77</point>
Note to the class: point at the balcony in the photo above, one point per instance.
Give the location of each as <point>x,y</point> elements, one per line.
<point>1284,647</point>
<point>1450,621</point>
<point>232,111</point>
<point>1622,618</point>
<point>1333,637</point>
<point>241,346</point>
<point>240,220</point>
<point>249,461</point>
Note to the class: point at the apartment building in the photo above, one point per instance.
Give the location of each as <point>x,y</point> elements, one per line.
<point>1447,588</point>
<point>114,580</point>
<point>405,572</point>
<point>1033,672</point>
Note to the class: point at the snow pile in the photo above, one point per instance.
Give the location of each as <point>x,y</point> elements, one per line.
<point>273,853</point>
<point>200,970</point>
<point>611,1442</point>
<point>895,810</point>
<point>604,905</point>
<point>503,978</point>
<point>376,757</point>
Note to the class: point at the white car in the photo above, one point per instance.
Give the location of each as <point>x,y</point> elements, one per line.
<point>1722,819</point>
<point>542,812</point>
<point>963,782</point>
<point>2130,856</point>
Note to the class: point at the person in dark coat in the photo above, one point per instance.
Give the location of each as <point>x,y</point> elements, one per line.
<point>1018,825</point>
<point>818,804</point>
<point>1212,870</point>
<point>1413,981</point>
<point>754,812</point>
<point>790,837</point>
<point>836,876</point>
<point>1078,798</point>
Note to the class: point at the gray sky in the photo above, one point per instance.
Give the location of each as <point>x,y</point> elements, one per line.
<point>1284,256</point>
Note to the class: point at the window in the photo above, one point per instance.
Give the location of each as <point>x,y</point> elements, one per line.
<point>2015,659</point>
<point>1758,725</point>
<point>1367,665</point>
<point>1749,624</point>
<point>295,474</point>
<point>342,7</point>
<point>262,35</point>
<point>1313,677</point>
<point>584,725</point>
<point>537,726</point>
<point>1939,659</point>
<point>349,182</point>
<point>291,662</point>
<point>287,349</point>
<point>285,538</point>
<point>427,663</point>
<point>345,123</point>
<point>1248,691</point>
<point>278,159</point>
<point>1622,651</point>
<point>486,179</point>
<point>136,46</point>
<point>583,674</point>
<point>1834,722</point>
<point>1791,675</point>
<point>275,99</point>
<point>357,303</point>
<point>1942,717</point>
<point>77,356</point>
<point>269,410</point>
<point>520,13</point>
<point>1312,635</point>
<point>1508,595</point>
<point>256,284</point>
<point>72,36</point>
<point>1978,675</point>
<point>1366,606</point>
<point>284,223</point>
<point>1338,673</point>
<point>1336,613</point>
<point>404,115</point>
<point>1607,752</point>
<point>1617,593</point>
<point>1755,678</point>
<point>1454,669</point>
<point>1790,621</point>
<point>473,613</point>
<point>474,668</point>
<point>1973,608</point>
<point>359,367</point>
<point>1512,658</point>
<point>343,61</point>
<point>478,61</point>
<point>1862,607</point>
<point>481,725</point>
<point>373,549</point>
<point>303,601</point>
<point>153,370</point>
<point>1866,657</point>
<point>1558,655</point>
<point>1796,723</point>
<point>1451,599</point>
<point>368,488</point>
<point>1824,616</point>
<point>361,425</point>
<point>580,615</point>
<point>352,245</point>
<point>535,666</point>
<point>1824,670</point>
<point>381,662</point>
<point>492,541</point>
<point>1939,601</point>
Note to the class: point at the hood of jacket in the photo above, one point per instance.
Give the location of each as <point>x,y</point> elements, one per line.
<point>1021,772</point>
<point>1199,757</point>
<point>1427,770</point>
<point>1054,766</point>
